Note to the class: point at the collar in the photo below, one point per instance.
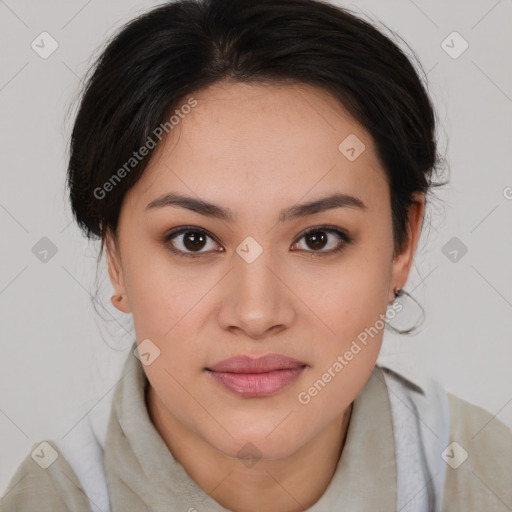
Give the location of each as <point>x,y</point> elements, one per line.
<point>396,357</point>
<point>142,474</point>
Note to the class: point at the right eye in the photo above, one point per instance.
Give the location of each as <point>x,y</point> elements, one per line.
<point>188,241</point>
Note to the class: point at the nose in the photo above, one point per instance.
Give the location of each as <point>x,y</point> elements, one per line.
<point>256,302</point>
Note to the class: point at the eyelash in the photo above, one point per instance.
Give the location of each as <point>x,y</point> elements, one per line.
<point>346,239</point>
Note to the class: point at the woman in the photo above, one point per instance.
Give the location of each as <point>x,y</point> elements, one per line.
<point>257,173</point>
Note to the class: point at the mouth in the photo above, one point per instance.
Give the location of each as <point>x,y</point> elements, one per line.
<point>256,377</point>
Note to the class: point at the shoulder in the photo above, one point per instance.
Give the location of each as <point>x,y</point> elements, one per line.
<point>44,481</point>
<point>478,458</point>
<point>470,455</point>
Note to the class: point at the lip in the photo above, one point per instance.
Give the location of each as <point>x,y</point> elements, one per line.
<point>256,377</point>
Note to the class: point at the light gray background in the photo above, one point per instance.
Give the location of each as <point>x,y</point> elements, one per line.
<point>60,360</point>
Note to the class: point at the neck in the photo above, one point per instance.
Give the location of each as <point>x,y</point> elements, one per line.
<point>287,484</point>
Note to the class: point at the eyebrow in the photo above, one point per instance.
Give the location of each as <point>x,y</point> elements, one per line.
<point>218,212</point>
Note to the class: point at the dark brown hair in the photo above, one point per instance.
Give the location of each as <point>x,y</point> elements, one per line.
<point>166,54</point>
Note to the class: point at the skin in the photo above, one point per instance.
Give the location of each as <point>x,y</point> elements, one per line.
<point>257,149</point>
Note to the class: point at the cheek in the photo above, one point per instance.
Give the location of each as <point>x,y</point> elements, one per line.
<point>351,304</point>
<point>351,297</point>
<point>355,310</point>
<point>162,293</point>
<point>169,305</point>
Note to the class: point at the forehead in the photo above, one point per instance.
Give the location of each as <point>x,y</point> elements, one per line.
<point>256,142</point>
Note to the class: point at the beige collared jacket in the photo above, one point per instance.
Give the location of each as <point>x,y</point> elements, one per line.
<point>428,451</point>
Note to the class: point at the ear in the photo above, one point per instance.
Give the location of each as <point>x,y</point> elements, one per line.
<point>402,262</point>
<point>115,271</point>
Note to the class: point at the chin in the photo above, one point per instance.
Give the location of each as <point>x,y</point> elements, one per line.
<point>255,445</point>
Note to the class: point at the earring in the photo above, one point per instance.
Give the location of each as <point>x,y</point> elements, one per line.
<point>405,311</point>
<point>118,298</point>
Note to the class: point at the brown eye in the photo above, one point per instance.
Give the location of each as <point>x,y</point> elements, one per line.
<point>317,239</point>
<point>186,241</point>
<point>193,240</point>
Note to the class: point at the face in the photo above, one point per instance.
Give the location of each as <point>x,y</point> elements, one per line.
<point>257,274</point>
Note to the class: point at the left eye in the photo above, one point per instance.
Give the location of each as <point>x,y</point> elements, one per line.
<point>317,239</point>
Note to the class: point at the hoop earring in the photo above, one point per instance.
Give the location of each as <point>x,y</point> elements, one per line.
<point>405,301</point>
